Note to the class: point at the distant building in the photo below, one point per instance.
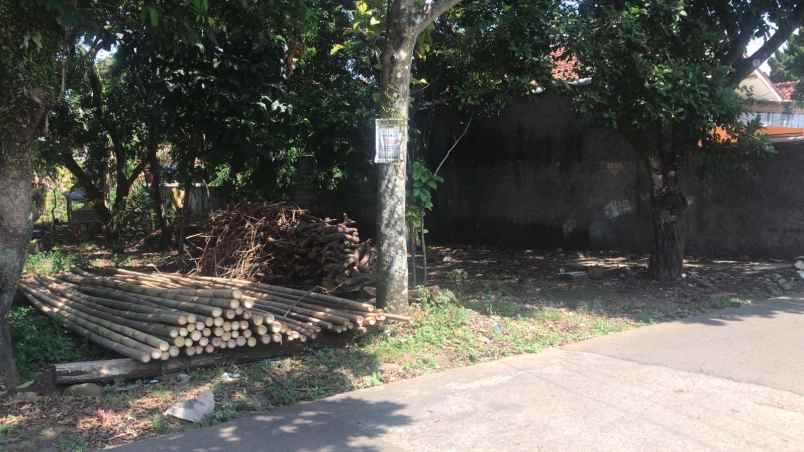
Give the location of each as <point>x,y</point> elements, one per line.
<point>773,103</point>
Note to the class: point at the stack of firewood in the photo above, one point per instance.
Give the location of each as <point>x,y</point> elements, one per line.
<point>282,243</point>
<point>159,316</point>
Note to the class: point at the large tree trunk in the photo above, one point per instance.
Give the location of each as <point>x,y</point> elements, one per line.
<point>406,20</point>
<point>392,293</point>
<point>156,194</point>
<point>668,205</point>
<point>16,178</point>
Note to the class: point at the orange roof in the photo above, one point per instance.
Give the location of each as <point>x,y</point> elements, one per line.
<point>784,132</point>
<point>775,134</point>
<point>786,89</point>
<point>565,69</point>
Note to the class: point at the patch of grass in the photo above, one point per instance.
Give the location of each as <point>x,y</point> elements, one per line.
<point>724,301</point>
<point>5,429</point>
<point>50,262</point>
<point>234,406</point>
<point>160,424</point>
<point>72,443</point>
<point>40,341</point>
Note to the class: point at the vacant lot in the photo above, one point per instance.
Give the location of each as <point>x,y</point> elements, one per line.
<point>478,305</point>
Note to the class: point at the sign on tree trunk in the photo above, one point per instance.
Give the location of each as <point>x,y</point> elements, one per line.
<point>388,135</point>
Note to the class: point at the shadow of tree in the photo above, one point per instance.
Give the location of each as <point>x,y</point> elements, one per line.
<point>525,283</point>
<point>335,424</point>
<point>768,309</point>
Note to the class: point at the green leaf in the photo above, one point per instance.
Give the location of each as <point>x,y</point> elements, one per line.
<point>362,7</point>
<point>374,21</point>
<point>335,49</point>
<point>153,16</point>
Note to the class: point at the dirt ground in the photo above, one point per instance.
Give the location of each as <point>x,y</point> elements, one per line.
<point>508,301</point>
<point>609,280</point>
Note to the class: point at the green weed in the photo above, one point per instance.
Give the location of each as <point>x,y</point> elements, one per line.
<point>50,262</point>
<point>72,443</point>
<point>40,341</point>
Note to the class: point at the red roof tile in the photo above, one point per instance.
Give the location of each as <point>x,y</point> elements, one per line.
<point>564,68</point>
<point>786,89</point>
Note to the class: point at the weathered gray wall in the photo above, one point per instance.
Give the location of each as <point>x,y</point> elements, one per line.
<point>756,215</point>
<point>538,178</point>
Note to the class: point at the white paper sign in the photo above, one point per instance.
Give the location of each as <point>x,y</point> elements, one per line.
<point>388,134</point>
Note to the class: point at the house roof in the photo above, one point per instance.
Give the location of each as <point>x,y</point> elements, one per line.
<point>565,69</point>
<point>786,90</point>
<point>761,87</point>
<point>781,134</point>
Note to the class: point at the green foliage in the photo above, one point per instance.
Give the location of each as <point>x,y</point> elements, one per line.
<point>659,67</point>
<point>30,39</point>
<point>483,53</point>
<point>50,262</point>
<point>652,63</point>
<point>421,186</point>
<point>40,341</point>
<point>136,218</point>
<point>788,64</point>
<point>737,155</point>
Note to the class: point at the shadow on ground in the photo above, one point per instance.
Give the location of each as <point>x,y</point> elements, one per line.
<point>320,426</point>
<point>514,283</point>
<point>767,309</point>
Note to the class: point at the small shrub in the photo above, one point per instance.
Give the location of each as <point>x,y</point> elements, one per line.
<point>435,295</point>
<point>40,341</point>
<point>457,276</point>
<point>50,262</point>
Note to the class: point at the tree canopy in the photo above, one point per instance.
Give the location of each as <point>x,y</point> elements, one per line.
<point>664,73</point>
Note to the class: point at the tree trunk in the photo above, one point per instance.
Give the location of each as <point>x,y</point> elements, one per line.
<point>406,19</point>
<point>8,363</point>
<point>668,205</point>
<point>184,215</point>
<point>156,194</point>
<point>16,176</point>
<point>122,189</point>
<point>392,262</point>
<point>93,192</point>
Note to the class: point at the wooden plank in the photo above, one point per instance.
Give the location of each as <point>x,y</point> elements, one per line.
<point>111,369</point>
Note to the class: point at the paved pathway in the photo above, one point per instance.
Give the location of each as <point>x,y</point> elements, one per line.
<point>729,381</point>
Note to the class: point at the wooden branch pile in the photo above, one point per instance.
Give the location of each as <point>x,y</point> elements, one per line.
<point>158,316</point>
<point>279,242</point>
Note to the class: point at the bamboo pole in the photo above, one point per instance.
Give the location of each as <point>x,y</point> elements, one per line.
<point>129,352</point>
<point>189,308</point>
<point>180,295</point>
<point>103,304</point>
<point>191,292</point>
<point>155,353</point>
<point>68,288</point>
<point>299,293</point>
<point>140,336</point>
<point>157,329</point>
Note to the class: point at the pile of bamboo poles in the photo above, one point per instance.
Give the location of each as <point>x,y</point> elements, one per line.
<point>160,316</point>
<point>283,243</point>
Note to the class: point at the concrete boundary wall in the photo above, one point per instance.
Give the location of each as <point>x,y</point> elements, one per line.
<point>536,177</point>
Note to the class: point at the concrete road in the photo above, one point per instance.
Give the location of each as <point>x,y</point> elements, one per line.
<point>732,381</point>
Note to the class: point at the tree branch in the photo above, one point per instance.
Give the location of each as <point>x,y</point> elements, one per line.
<point>86,183</point>
<point>136,172</point>
<point>744,66</point>
<point>460,137</point>
<point>741,41</point>
<point>431,13</point>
